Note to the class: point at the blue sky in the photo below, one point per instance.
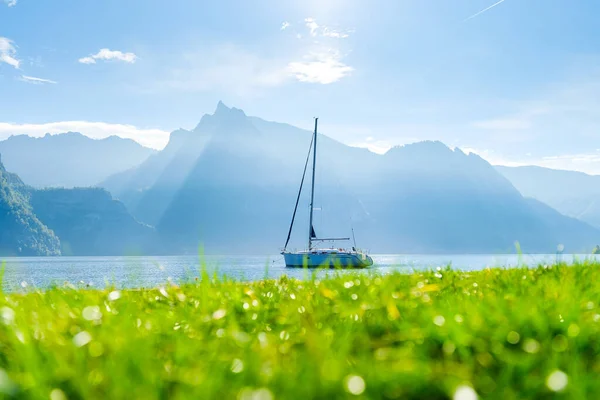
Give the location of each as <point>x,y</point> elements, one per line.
<point>518,83</point>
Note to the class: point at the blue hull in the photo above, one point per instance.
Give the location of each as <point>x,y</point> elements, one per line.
<point>327,260</point>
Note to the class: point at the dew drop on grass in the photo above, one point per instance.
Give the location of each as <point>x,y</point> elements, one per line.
<point>355,385</point>
<point>82,338</point>
<point>354,296</point>
<point>219,314</point>
<point>92,313</point>
<point>57,394</point>
<point>8,315</point>
<point>573,330</point>
<point>557,381</point>
<point>458,318</point>
<point>513,337</point>
<point>262,338</point>
<point>237,366</point>
<point>531,346</point>
<point>114,295</point>
<point>439,320</point>
<point>465,392</point>
<point>255,394</point>
<point>448,347</point>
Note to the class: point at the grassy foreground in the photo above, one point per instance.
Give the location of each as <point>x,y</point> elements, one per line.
<point>518,333</point>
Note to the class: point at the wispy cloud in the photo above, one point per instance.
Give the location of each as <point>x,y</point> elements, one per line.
<point>109,55</point>
<point>285,25</point>
<point>484,10</point>
<point>36,81</point>
<point>321,67</point>
<point>154,138</point>
<point>312,25</point>
<point>334,34</point>
<point>8,52</point>
<point>10,3</point>
<point>316,30</point>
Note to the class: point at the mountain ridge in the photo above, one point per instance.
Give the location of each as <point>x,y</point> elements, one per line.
<point>69,159</point>
<point>232,183</point>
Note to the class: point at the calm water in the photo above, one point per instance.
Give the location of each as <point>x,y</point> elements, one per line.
<point>42,272</point>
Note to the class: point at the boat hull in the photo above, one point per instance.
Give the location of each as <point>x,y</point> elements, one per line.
<point>327,260</point>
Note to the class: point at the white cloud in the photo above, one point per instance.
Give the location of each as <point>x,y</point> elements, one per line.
<point>285,25</point>
<point>334,34</point>
<point>154,138</point>
<point>11,3</point>
<point>320,30</point>
<point>87,60</point>
<point>109,55</point>
<point>36,81</point>
<point>8,52</point>
<point>312,25</point>
<point>321,67</point>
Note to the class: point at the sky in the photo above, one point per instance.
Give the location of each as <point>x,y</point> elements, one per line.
<point>517,82</point>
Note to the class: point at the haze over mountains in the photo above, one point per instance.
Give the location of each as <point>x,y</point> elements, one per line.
<point>70,159</point>
<point>51,222</point>
<point>572,193</point>
<point>230,185</point>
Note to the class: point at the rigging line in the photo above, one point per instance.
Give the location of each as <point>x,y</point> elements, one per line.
<point>299,193</point>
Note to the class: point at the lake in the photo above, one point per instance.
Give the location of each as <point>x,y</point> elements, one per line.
<point>42,272</point>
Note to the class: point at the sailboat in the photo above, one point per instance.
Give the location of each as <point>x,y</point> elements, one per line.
<point>315,256</point>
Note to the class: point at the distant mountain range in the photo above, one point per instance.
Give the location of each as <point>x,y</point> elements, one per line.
<point>70,159</point>
<point>66,221</point>
<point>231,182</point>
<point>230,185</point>
<point>572,193</point>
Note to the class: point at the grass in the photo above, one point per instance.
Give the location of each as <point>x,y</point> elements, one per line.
<point>514,333</point>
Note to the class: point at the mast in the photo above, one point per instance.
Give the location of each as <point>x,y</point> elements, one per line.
<point>312,189</point>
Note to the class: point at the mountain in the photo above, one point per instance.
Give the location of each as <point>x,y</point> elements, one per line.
<point>69,159</point>
<point>575,194</point>
<point>230,184</point>
<point>82,221</point>
<point>21,232</point>
<point>89,222</point>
